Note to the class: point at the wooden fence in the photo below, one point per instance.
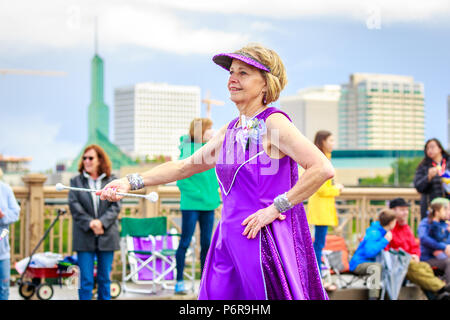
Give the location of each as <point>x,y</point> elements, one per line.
<point>357,208</point>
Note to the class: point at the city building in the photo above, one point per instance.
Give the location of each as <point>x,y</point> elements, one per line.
<point>149,118</point>
<point>313,109</point>
<point>98,122</point>
<point>13,169</point>
<point>381,112</point>
<point>353,165</point>
<point>10,164</point>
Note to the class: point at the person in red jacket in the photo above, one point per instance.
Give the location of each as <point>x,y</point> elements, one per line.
<point>419,272</point>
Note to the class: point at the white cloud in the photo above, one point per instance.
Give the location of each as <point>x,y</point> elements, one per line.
<point>57,24</point>
<point>159,24</point>
<point>391,11</point>
<point>36,138</point>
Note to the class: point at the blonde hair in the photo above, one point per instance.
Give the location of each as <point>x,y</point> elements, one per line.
<point>205,124</point>
<point>276,79</point>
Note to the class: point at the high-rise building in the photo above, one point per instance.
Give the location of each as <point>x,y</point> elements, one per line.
<point>313,109</point>
<point>381,112</point>
<point>149,118</point>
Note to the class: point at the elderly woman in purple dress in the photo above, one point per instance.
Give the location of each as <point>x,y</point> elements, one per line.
<point>261,248</point>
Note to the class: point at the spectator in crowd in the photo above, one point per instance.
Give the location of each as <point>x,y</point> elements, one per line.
<point>95,223</point>
<point>321,211</point>
<point>419,272</point>
<point>432,175</point>
<point>430,244</point>
<point>198,200</point>
<point>377,237</point>
<point>9,213</point>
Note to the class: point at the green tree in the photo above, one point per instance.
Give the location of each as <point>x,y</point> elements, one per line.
<point>404,170</point>
<point>378,181</point>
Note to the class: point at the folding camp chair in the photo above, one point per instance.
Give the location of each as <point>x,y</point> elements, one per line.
<point>150,251</point>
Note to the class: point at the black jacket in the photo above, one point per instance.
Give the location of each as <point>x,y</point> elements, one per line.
<point>429,189</point>
<point>82,210</point>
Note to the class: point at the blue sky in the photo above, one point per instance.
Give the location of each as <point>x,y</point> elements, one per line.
<point>173,41</point>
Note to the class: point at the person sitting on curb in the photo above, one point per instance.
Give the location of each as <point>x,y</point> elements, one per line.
<point>429,245</point>
<point>419,272</point>
<point>377,237</point>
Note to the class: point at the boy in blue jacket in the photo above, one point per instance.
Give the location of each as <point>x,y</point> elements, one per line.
<point>377,237</point>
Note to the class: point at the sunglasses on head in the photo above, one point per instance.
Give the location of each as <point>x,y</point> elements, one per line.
<point>90,158</point>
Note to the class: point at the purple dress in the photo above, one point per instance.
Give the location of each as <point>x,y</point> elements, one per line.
<point>280,262</point>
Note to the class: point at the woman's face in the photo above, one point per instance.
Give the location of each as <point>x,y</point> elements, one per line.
<point>246,83</point>
<point>328,144</point>
<point>90,161</point>
<point>433,149</point>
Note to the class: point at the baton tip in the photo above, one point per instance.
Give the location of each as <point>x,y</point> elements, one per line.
<point>152,196</point>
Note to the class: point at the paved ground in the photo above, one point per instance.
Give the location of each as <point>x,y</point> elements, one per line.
<point>66,293</point>
<point>356,291</point>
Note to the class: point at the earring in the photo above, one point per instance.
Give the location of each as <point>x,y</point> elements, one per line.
<point>264,99</point>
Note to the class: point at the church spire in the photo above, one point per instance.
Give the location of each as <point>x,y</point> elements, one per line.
<point>98,115</point>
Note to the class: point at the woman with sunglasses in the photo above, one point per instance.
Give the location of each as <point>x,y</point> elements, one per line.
<point>95,225</point>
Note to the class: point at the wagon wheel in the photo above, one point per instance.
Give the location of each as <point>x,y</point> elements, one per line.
<point>116,289</point>
<point>27,289</point>
<point>44,291</point>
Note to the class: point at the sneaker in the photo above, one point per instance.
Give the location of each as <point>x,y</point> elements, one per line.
<point>179,287</point>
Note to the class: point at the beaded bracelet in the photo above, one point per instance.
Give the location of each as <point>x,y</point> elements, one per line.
<point>282,203</point>
<point>136,181</point>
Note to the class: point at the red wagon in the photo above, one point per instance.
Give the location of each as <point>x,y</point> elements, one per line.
<point>32,279</point>
<point>36,281</point>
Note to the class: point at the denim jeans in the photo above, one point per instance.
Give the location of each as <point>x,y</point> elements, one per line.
<point>320,234</point>
<point>188,223</point>
<point>104,264</point>
<point>4,278</point>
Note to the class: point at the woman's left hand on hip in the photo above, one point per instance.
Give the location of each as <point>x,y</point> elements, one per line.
<point>260,219</point>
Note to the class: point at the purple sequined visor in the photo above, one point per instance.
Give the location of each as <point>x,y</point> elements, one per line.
<point>225,59</point>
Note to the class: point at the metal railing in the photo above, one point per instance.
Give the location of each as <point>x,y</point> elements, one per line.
<point>357,208</point>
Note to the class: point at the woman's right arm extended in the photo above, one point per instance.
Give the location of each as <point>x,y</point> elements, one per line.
<point>203,159</point>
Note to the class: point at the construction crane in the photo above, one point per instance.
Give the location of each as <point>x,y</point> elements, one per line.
<point>33,72</point>
<point>209,102</point>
